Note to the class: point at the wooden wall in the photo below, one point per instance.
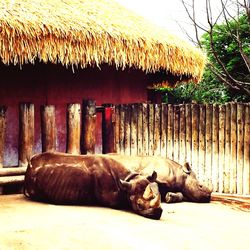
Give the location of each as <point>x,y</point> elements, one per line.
<point>215,139</point>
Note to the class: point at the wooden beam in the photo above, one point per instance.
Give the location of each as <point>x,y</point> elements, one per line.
<point>88,127</point>
<point>12,171</point>
<point>73,128</point>
<point>108,129</point>
<point>7,180</point>
<point>26,133</point>
<point>48,126</point>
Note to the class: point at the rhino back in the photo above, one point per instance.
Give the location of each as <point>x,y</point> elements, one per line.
<point>80,179</point>
<point>62,184</point>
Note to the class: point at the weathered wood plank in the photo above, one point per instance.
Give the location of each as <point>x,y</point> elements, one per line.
<point>108,129</point>
<point>188,115</point>
<point>195,138</point>
<point>7,180</point>
<point>127,130</point>
<point>117,128</point>
<point>233,161</point>
<point>202,142</point>
<point>246,168</point>
<point>222,118</point>
<point>164,120</point>
<point>48,128</point>
<point>88,139</point>
<point>140,130</point>
<point>170,135</point>
<point>151,129</point>
<point>182,136</point>
<point>26,133</point>
<point>145,136</point>
<point>240,148</point>
<point>227,148</point>
<point>12,171</point>
<point>176,131</point>
<point>157,129</point>
<point>134,117</point>
<point>74,128</point>
<point>121,130</point>
<point>215,148</point>
<point>209,118</point>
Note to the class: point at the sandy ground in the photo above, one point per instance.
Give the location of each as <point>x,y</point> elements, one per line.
<point>30,225</point>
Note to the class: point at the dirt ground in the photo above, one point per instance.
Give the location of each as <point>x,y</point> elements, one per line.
<point>30,225</point>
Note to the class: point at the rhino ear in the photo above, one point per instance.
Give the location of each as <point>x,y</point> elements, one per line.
<point>153,177</point>
<point>124,185</point>
<point>186,168</point>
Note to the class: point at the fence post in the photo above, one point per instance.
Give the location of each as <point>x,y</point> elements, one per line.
<point>73,128</point>
<point>88,126</point>
<point>108,129</point>
<point>26,133</point>
<point>48,128</point>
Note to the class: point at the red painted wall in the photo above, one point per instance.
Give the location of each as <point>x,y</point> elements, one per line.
<point>56,85</point>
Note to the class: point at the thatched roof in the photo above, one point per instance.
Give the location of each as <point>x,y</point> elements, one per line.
<point>84,32</point>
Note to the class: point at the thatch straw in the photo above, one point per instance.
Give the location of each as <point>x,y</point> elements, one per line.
<point>84,32</point>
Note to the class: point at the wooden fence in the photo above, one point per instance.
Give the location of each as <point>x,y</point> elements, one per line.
<point>81,136</point>
<point>215,139</point>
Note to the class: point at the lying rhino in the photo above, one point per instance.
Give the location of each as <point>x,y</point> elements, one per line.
<point>61,178</point>
<point>176,182</point>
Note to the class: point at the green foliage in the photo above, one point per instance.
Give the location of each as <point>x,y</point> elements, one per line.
<point>210,89</point>
<point>227,48</point>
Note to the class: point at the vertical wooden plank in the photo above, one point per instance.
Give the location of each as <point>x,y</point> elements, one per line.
<point>233,161</point>
<point>26,133</point>
<point>73,128</point>
<point>140,130</point>
<point>195,138</point>
<point>188,133</point>
<point>117,128</point>
<point>170,148</point>
<point>48,128</point>
<point>215,148</point>
<point>121,130</point>
<point>151,129</point>
<point>202,142</point>
<point>108,129</point>
<point>3,110</point>
<point>164,119</point>
<point>88,139</point>
<point>157,129</point>
<point>145,136</point>
<point>222,118</point>
<point>246,169</point>
<point>227,148</point>
<point>240,148</point>
<point>127,130</point>
<point>176,132</point>
<point>182,138</point>
<point>134,116</point>
<point>209,118</point>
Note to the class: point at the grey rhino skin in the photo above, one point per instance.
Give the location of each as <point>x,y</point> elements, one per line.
<point>61,178</point>
<point>176,182</point>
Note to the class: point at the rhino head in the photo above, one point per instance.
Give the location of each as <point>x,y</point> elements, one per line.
<point>194,190</point>
<point>143,195</point>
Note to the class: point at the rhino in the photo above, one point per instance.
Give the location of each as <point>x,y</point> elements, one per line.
<point>176,182</point>
<point>62,178</point>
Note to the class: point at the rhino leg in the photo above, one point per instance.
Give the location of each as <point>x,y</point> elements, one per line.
<point>174,197</point>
